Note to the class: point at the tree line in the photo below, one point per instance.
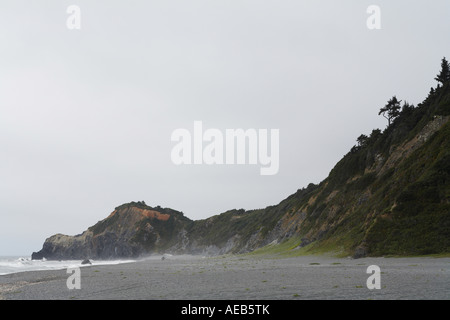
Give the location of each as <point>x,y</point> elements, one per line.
<point>393,107</point>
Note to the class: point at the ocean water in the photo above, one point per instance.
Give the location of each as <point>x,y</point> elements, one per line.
<point>14,264</point>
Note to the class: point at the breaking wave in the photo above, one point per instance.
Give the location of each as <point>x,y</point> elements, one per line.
<point>10,265</point>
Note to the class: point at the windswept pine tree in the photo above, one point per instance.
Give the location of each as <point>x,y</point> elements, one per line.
<point>391,110</point>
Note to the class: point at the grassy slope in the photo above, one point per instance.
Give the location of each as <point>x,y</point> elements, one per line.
<point>403,211</point>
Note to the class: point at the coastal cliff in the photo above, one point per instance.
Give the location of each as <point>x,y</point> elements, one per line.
<point>390,194</point>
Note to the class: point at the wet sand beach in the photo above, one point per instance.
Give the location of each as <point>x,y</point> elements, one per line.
<point>239,278</point>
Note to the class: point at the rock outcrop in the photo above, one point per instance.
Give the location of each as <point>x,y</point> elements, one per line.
<point>129,231</point>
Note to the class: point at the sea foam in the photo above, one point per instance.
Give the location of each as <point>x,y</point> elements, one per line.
<point>10,265</point>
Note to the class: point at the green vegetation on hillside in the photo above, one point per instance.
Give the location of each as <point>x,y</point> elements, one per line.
<point>403,210</point>
<point>388,195</point>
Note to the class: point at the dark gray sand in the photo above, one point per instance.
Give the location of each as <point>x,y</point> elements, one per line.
<point>239,278</point>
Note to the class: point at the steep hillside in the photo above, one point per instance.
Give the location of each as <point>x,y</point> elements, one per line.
<point>390,194</point>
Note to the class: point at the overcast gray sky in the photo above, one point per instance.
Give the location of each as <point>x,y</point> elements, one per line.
<point>86,115</point>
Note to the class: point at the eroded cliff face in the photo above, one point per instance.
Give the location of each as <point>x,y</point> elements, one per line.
<point>390,196</point>
<point>398,204</point>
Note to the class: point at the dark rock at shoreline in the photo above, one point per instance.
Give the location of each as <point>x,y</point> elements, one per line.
<point>37,256</point>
